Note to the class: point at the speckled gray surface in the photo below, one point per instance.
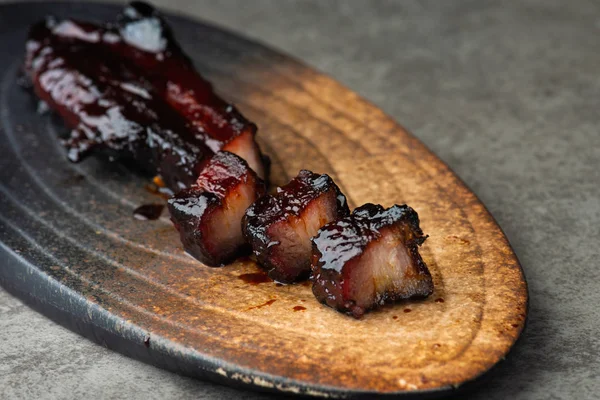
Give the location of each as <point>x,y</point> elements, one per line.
<point>507,94</point>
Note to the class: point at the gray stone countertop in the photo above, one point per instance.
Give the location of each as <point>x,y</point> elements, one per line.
<point>506,93</point>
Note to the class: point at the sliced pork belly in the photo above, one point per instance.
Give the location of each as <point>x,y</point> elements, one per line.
<point>142,39</point>
<point>109,108</point>
<point>208,214</point>
<point>279,226</point>
<point>370,258</point>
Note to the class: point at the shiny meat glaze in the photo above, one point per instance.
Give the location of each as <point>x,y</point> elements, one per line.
<point>143,39</point>
<point>279,226</point>
<point>109,108</point>
<point>208,214</point>
<point>370,258</point>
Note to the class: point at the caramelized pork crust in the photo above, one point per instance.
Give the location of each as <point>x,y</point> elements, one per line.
<point>369,258</point>
<point>143,40</point>
<point>108,107</point>
<point>208,214</point>
<point>279,226</point>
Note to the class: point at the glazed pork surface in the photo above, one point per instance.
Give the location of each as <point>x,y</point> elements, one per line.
<point>370,258</point>
<point>208,214</point>
<point>143,40</point>
<point>279,226</point>
<point>109,107</point>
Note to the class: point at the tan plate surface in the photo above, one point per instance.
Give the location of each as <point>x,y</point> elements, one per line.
<point>80,215</point>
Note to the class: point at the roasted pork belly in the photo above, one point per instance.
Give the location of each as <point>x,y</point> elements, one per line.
<point>208,214</point>
<point>108,107</point>
<point>369,258</point>
<point>279,226</point>
<point>143,40</point>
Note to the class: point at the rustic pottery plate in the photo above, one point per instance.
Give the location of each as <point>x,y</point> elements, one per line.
<point>70,247</point>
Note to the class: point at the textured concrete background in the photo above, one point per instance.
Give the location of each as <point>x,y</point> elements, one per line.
<point>507,94</point>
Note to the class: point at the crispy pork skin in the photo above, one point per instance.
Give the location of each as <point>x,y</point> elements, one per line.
<point>109,108</point>
<point>279,226</point>
<point>208,214</point>
<point>369,258</point>
<point>142,39</point>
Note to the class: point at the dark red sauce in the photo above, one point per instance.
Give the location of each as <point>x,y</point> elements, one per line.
<point>255,278</point>
<point>266,304</point>
<point>299,308</point>
<point>148,212</point>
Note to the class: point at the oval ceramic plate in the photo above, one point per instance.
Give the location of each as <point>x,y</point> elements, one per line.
<point>70,246</point>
